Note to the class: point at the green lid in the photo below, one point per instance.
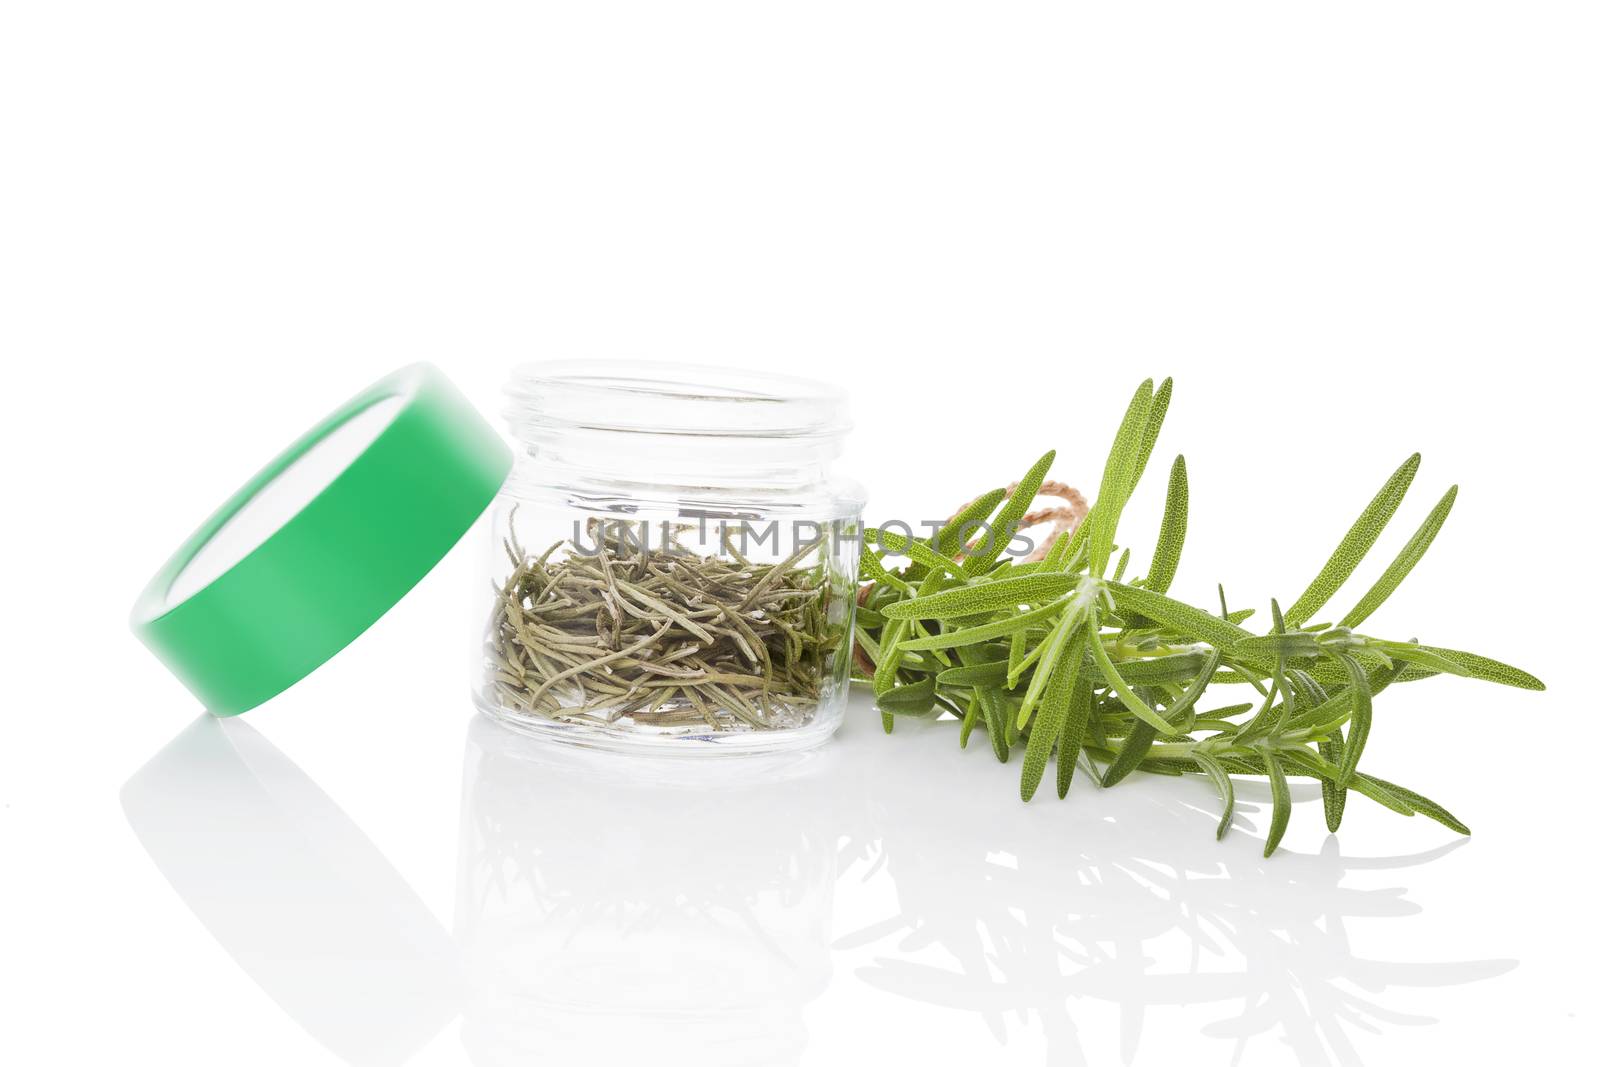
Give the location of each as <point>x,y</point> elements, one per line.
<point>315,548</point>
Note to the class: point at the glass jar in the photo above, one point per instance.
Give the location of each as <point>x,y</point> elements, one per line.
<point>674,559</point>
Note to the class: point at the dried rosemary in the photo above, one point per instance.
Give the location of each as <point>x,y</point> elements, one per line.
<point>665,638</point>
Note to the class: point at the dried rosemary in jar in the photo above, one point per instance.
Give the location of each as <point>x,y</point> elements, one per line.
<point>691,563</point>
<point>620,633</point>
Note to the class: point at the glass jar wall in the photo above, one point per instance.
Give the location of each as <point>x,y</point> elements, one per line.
<point>674,560</point>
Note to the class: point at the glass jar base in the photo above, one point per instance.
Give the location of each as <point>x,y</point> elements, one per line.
<point>689,742</point>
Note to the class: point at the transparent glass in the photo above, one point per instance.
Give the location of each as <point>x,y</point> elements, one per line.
<point>674,560</point>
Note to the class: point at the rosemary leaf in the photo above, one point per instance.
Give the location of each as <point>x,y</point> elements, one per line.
<point>1423,805</point>
<point>1360,720</point>
<point>1076,726</point>
<point>1465,664</point>
<point>982,597</point>
<point>1407,559</point>
<point>1357,542</point>
<point>962,525</point>
<point>1124,691</point>
<point>1224,784</point>
<point>1174,525</point>
<point>1182,619</point>
<point>1281,802</point>
<point>1116,485</point>
<point>1333,795</point>
<point>1047,732</point>
<point>1005,522</point>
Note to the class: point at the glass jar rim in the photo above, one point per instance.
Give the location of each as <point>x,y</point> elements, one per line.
<point>642,396</point>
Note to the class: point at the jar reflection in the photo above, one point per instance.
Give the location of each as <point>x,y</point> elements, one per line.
<point>691,901</point>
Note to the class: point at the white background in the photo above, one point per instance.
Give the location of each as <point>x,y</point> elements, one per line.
<point>1349,231</point>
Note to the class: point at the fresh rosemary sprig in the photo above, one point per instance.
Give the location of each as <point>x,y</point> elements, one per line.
<point>1065,658</point>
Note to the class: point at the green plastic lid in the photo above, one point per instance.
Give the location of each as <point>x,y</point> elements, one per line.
<point>315,548</point>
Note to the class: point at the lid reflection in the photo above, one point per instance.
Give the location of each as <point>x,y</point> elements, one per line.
<point>294,891</point>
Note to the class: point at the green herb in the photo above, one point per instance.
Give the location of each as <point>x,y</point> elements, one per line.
<point>1080,665</point>
<point>663,637</point>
